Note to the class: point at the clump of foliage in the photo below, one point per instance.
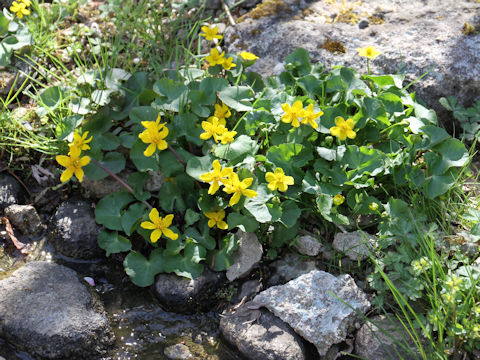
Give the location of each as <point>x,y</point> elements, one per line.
<point>241,152</point>
<point>468,118</point>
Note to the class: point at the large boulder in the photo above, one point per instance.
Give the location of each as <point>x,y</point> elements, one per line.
<point>74,230</point>
<point>414,37</point>
<point>320,307</point>
<point>47,311</point>
<point>246,257</point>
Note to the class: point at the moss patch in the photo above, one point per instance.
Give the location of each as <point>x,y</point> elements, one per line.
<point>334,46</point>
<point>267,8</point>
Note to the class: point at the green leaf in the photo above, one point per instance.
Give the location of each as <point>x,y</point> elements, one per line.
<point>290,213</point>
<point>191,217</point>
<point>113,161</point>
<point>143,113</point>
<point>222,259</point>
<point>203,238</point>
<point>80,105</point>
<point>186,265</point>
<point>108,210</point>
<point>238,149</point>
<point>436,134</point>
<point>107,141</point>
<point>137,181</point>
<point>324,204</point>
<point>281,235</point>
<point>363,160</point>
<point>67,126</point>
<point>113,243</point>
<point>51,98</point>
<point>243,222</point>
<point>237,97</point>
<point>437,185</point>
<point>289,156</point>
<point>131,216</point>
<point>299,62</point>
<point>374,109</point>
<point>211,86</point>
<point>260,209</point>
<point>143,271</point>
<point>169,164</point>
<point>142,162</point>
<point>198,166</point>
<point>169,88</point>
<point>101,97</point>
<point>98,123</point>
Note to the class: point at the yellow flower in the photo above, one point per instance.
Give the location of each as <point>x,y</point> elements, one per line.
<point>369,52</point>
<point>227,137</point>
<point>216,218</point>
<point>278,180</point>
<point>217,176</point>
<point>373,206</point>
<point>81,141</point>
<point>159,226</point>
<point>26,2</point>
<point>215,58</point>
<point>73,164</point>
<point>309,116</point>
<point>228,63</point>
<point>343,129</point>
<point>248,56</point>
<point>293,113</point>
<point>238,188</point>
<point>19,9</point>
<point>212,127</point>
<point>338,199</point>
<point>154,134</point>
<point>210,33</point>
<point>222,112</point>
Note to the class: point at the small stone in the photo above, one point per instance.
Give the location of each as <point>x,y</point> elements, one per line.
<point>25,218</point>
<point>308,245</point>
<point>182,295</point>
<point>290,267</point>
<point>258,334</point>
<point>357,245</point>
<point>178,352</point>
<point>308,305</point>
<point>74,230</point>
<point>47,311</point>
<point>470,249</point>
<point>10,190</point>
<point>248,290</point>
<point>381,336</point>
<point>246,257</point>
<point>155,182</point>
<point>101,188</point>
<point>362,24</point>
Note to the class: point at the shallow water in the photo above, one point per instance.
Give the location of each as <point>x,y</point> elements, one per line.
<point>142,328</point>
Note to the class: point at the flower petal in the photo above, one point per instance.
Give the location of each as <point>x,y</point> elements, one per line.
<point>66,175</point>
<point>155,235</point>
<point>63,160</point>
<point>170,234</point>
<point>150,150</point>
<point>79,174</point>
<point>167,220</point>
<point>154,216</point>
<point>148,225</point>
<point>234,199</point>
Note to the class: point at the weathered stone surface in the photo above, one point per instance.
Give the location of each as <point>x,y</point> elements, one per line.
<point>357,245</point>
<point>258,334</point>
<point>246,257</point>
<point>381,338</point>
<point>178,352</point>
<point>289,267</point>
<point>182,295</point>
<point>412,36</point>
<point>155,182</point>
<point>15,78</point>
<point>308,306</point>
<point>10,191</point>
<point>308,245</point>
<point>74,230</point>
<point>101,188</point>
<point>25,218</point>
<point>248,290</point>
<point>45,310</point>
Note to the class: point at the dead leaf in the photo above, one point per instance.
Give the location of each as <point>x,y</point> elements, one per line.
<point>18,244</point>
<point>41,174</point>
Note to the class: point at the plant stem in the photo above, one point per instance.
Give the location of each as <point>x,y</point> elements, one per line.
<point>180,160</point>
<point>116,177</point>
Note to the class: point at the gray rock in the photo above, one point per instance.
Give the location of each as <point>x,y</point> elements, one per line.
<point>357,245</point>
<point>290,267</point>
<point>182,295</point>
<point>307,304</point>
<point>47,311</point>
<point>258,334</point>
<point>74,230</point>
<point>155,182</point>
<point>363,24</point>
<point>25,218</point>
<point>178,352</point>
<point>413,36</point>
<point>10,191</point>
<point>384,338</point>
<point>248,290</point>
<point>15,78</point>
<point>246,257</point>
<point>308,245</point>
